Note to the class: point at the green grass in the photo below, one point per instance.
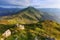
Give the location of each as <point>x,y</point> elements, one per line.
<point>40,30</point>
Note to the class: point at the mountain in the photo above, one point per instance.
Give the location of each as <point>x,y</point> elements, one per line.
<point>8,11</point>
<point>27,16</point>
<point>54,12</point>
<point>37,25</point>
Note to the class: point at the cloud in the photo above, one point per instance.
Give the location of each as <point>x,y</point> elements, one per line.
<point>11,6</point>
<point>19,2</point>
<point>23,3</point>
<point>46,3</point>
<point>34,3</point>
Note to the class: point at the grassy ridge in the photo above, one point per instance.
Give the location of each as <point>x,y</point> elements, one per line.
<point>41,30</point>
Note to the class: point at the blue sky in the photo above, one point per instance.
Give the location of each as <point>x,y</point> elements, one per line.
<point>26,3</point>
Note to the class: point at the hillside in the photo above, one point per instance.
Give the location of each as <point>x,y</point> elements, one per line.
<point>29,24</point>
<point>27,16</point>
<point>43,30</point>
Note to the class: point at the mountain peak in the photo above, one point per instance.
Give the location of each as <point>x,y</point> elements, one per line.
<point>30,7</point>
<point>26,16</point>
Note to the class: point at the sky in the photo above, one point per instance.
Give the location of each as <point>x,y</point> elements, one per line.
<point>33,3</point>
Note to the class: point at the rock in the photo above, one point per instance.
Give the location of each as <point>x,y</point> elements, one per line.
<point>6,34</point>
<point>36,38</point>
<point>49,38</point>
<point>20,26</point>
<point>2,39</point>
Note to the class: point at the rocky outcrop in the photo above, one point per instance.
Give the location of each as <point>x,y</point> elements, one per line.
<point>7,33</point>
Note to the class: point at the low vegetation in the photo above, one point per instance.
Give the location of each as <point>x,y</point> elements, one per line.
<point>42,30</point>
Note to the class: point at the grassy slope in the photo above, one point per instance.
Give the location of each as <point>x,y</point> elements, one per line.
<point>27,17</point>
<point>42,30</point>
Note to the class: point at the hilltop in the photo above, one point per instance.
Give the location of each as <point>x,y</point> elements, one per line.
<point>34,23</point>
<point>27,16</point>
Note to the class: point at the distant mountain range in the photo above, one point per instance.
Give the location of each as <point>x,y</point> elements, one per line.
<point>55,12</point>
<point>8,11</point>
<point>28,15</point>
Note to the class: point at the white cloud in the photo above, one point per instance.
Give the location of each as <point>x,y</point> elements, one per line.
<point>35,3</point>
<point>12,6</point>
<point>46,3</point>
<point>18,2</point>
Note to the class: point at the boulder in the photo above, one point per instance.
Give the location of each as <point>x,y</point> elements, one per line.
<point>2,39</point>
<point>6,34</point>
<point>20,26</point>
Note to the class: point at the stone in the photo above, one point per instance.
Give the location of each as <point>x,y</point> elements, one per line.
<point>36,38</point>
<point>6,34</point>
<point>2,39</point>
<point>20,26</point>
